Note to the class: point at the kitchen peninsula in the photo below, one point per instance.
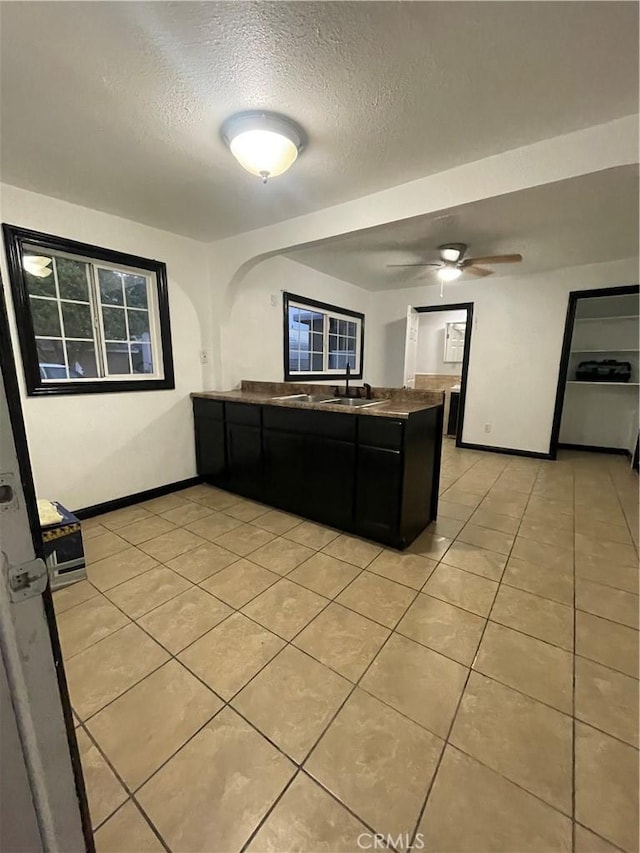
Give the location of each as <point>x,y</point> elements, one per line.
<point>367,466</point>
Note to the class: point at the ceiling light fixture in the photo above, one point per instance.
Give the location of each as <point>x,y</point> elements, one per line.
<point>265,144</point>
<point>449,272</point>
<point>36,265</point>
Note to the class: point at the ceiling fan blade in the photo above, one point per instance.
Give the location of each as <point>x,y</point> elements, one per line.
<point>479,271</point>
<point>413,265</point>
<point>494,259</point>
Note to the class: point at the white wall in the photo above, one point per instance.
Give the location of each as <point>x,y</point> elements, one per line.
<point>559,158</point>
<point>431,337</point>
<point>94,448</point>
<point>515,346</point>
<point>252,337</point>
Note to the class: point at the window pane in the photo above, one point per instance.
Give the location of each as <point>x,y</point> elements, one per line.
<point>317,323</point>
<point>138,323</point>
<point>46,321</point>
<point>111,292</point>
<point>316,343</point>
<point>114,324</point>
<point>342,327</point>
<point>39,286</point>
<point>72,279</point>
<point>82,359</point>
<point>316,362</point>
<point>300,339</point>
<point>51,359</point>
<point>135,287</point>
<point>118,359</point>
<point>77,320</point>
<point>333,326</point>
<point>141,356</point>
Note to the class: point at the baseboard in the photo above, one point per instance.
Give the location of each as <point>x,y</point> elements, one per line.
<point>590,448</point>
<point>510,451</point>
<point>129,500</point>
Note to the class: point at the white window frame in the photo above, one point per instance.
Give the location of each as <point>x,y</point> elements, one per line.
<point>99,339</point>
<point>330,313</point>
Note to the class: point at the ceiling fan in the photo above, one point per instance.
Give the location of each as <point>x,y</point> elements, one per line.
<point>453,262</point>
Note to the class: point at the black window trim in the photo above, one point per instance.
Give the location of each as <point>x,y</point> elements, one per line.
<point>323,306</point>
<point>14,236</point>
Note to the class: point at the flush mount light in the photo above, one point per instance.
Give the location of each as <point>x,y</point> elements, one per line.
<point>449,272</point>
<point>37,265</point>
<point>265,144</point>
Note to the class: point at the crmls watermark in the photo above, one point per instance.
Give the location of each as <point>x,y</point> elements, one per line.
<point>378,841</point>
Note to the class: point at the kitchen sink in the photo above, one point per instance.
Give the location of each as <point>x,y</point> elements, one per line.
<point>354,402</point>
<point>307,398</point>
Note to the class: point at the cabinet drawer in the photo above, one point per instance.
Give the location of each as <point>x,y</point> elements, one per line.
<point>213,409</point>
<point>380,432</point>
<point>312,422</point>
<point>243,413</point>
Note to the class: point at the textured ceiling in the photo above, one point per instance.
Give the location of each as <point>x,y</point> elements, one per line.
<point>585,220</point>
<point>117,105</point>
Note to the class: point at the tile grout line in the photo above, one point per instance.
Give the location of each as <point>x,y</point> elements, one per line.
<point>226,704</point>
<point>333,600</point>
<point>127,790</point>
<point>447,741</point>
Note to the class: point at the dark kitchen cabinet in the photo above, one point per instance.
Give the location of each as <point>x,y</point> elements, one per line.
<point>379,484</point>
<point>244,460</point>
<point>244,449</point>
<point>210,439</point>
<point>285,460</point>
<point>330,484</point>
<point>376,477</point>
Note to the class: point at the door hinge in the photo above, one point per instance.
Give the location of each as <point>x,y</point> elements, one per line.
<point>27,580</point>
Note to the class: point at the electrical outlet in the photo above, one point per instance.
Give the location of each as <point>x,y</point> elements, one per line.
<point>487,427</point>
<point>204,356</point>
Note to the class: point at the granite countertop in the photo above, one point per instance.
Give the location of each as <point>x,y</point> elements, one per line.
<point>392,402</point>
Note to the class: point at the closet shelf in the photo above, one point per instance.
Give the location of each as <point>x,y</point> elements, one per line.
<point>601,319</point>
<point>606,384</point>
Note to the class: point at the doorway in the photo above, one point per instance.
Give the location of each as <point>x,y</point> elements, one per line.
<point>437,349</point>
<point>599,377</point>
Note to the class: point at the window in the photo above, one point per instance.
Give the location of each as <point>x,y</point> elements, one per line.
<point>321,340</point>
<point>89,319</point>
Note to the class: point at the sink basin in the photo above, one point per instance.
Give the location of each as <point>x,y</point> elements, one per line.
<point>307,398</point>
<point>354,402</point>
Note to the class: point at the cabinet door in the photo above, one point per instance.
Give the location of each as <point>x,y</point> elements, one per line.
<point>329,472</point>
<point>284,469</point>
<point>379,493</point>
<point>210,456</point>
<point>244,459</point>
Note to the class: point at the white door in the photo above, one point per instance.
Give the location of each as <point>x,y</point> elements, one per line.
<point>40,808</point>
<point>411,348</point>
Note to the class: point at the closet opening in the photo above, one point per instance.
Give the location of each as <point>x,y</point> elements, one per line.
<point>599,380</point>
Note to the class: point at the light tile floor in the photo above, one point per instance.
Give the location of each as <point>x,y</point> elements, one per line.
<point>244,679</point>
